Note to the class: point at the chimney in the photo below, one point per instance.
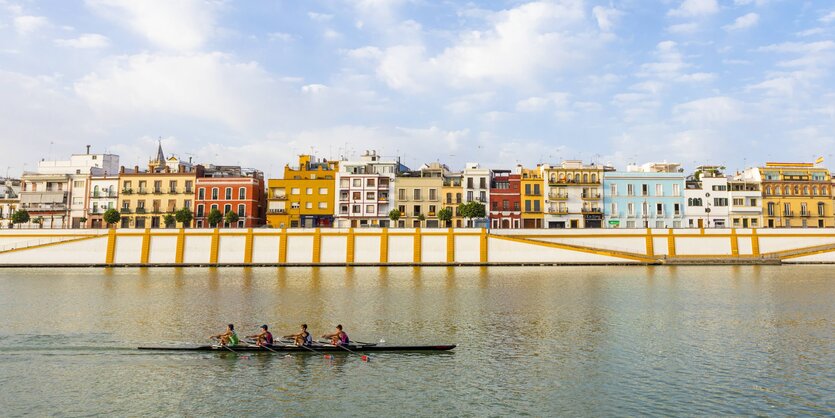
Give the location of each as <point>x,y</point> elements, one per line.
<point>136,169</point>
<point>88,149</point>
<point>122,170</point>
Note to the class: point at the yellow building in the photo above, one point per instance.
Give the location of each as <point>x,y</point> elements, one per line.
<point>145,197</point>
<point>418,195</point>
<point>452,194</point>
<point>574,195</point>
<point>796,195</point>
<point>305,197</point>
<point>532,196</point>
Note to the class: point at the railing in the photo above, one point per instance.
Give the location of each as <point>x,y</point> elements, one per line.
<point>124,210</point>
<point>140,210</point>
<point>188,191</point>
<point>805,213</point>
<point>559,211</point>
<point>157,191</point>
<point>788,213</point>
<point>590,196</point>
<point>591,210</point>
<point>103,195</point>
<point>276,211</point>
<point>281,197</point>
<point>127,191</point>
<point>143,191</point>
<point>558,196</point>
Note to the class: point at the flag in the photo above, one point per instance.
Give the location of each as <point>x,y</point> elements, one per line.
<point>819,160</point>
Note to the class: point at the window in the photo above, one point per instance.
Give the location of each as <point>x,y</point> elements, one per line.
<point>630,190</point>
<point>369,182</point>
<point>644,190</point>
<point>676,209</point>
<point>370,196</point>
<point>214,207</point>
<point>227,208</point>
<point>187,203</point>
<point>323,190</point>
<point>659,209</point>
<point>482,196</point>
<point>585,177</point>
<point>309,191</point>
<point>659,190</point>
<point>449,198</point>
<point>401,194</point>
<point>821,209</point>
<point>357,183</point>
<point>189,185</point>
<point>78,183</point>
<point>201,193</point>
<point>228,194</point>
<point>369,208</point>
<point>242,211</point>
<point>613,209</point>
<point>676,189</point>
<point>308,205</point>
<point>323,205</point>
<point>172,186</point>
<point>469,195</point>
<point>416,193</point>
<point>343,209</point>
<point>215,193</point>
<point>630,209</point>
<point>433,194</point>
<point>803,209</point>
<point>770,208</point>
<point>613,189</point>
<point>738,201</point>
<point>295,191</point>
<point>157,186</point>
<point>516,206</point>
<point>242,193</point>
<point>458,198</point>
<point>356,195</point>
<point>527,205</point>
<point>720,201</point>
<point>416,210</point>
<point>505,205</point>
<point>469,182</point>
<point>527,189</point>
<point>482,183</point>
<point>357,209</point>
<point>536,189</point>
<point>787,209</point>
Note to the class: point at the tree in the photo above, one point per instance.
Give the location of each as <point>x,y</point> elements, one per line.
<point>20,217</point>
<point>83,222</point>
<point>445,216</point>
<point>169,220</point>
<point>38,221</point>
<point>394,215</point>
<point>471,209</point>
<point>184,217</point>
<point>214,217</point>
<point>231,218</point>
<point>111,217</point>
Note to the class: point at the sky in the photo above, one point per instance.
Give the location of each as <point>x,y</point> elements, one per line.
<point>499,82</point>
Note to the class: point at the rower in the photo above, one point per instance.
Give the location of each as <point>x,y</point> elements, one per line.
<point>302,338</point>
<point>227,338</point>
<point>262,338</point>
<point>339,337</point>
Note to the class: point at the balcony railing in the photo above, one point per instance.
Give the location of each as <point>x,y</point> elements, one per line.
<point>101,195</point>
<point>188,190</point>
<point>142,191</point>
<point>280,197</point>
<point>805,213</point>
<point>124,210</point>
<point>558,196</point>
<point>157,191</point>
<point>788,213</point>
<point>127,191</point>
<point>276,211</point>
<point>558,211</point>
<point>591,210</point>
<point>594,195</point>
<point>140,210</point>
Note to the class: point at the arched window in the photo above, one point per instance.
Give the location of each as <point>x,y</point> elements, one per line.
<point>242,193</point>
<point>577,177</point>
<point>806,190</point>
<point>787,191</point>
<point>96,189</point>
<point>215,191</point>
<point>594,178</point>
<point>796,190</point>
<point>778,190</point>
<point>814,190</point>
<point>553,178</point>
<point>768,190</point>
<point>824,190</point>
<point>562,177</point>
<point>585,177</point>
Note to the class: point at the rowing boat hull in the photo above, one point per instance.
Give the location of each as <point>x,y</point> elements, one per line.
<point>316,348</point>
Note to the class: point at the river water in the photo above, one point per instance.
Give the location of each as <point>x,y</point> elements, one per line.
<point>540,341</point>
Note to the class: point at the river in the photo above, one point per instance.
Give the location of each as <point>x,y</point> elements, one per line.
<point>539,341</point>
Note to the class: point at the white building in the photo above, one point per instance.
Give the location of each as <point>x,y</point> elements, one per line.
<point>57,192</point>
<point>9,200</point>
<point>103,196</point>
<point>477,187</point>
<point>745,194</point>
<point>365,189</point>
<point>707,198</point>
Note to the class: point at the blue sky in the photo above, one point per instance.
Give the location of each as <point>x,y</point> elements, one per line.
<point>733,82</point>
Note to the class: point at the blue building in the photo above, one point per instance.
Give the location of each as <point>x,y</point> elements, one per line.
<point>647,196</point>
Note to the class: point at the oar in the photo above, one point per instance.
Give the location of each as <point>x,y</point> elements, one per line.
<point>230,349</point>
<point>364,357</point>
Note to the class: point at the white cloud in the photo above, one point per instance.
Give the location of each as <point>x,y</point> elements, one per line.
<point>606,17</point>
<point>85,41</point>
<point>698,77</point>
<point>710,110</point>
<point>828,18</point>
<point>743,22</point>
<point>319,17</point>
<point>695,8</point>
<point>522,43</point>
<point>176,25</point>
<point>538,103</point>
<point>203,86</point>
<point>669,64</point>
<point>26,25</point>
<point>314,88</point>
<point>683,28</point>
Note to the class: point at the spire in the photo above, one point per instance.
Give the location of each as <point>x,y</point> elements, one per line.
<point>160,155</point>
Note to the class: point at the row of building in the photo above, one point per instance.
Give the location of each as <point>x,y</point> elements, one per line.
<point>375,191</point>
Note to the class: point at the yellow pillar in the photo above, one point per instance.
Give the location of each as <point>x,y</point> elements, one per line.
<point>671,243</point>
<point>282,246</point>
<point>248,246</point>
<point>146,246</point>
<point>755,242</point>
<point>384,246</point>
<point>450,246</point>
<point>317,245</point>
<point>181,246</point>
<point>416,256</point>
<point>349,247</point>
<point>482,250</point>
<point>111,246</point>
<point>734,243</point>
<point>215,246</point>
<point>650,244</point>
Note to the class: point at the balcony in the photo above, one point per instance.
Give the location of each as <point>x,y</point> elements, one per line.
<point>788,213</point>
<point>172,190</point>
<point>142,191</point>
<point>157,191</point>
<point>140,210</point>
<point>127,191</point>
<point>558,211</point>
<point>156,211</point>
<point>805,214</point>
<point>45,207</point>
<point>188,190</point>
<point>103,195</point>
<point>558,196</point>
<point>383,199</point>
<point>591,210</point>
<point>279,197</point>
<point>124,210</point>
<point>344,198</point>
<point>276,211</point>
<point>430,214</point>
<point>590,196</point>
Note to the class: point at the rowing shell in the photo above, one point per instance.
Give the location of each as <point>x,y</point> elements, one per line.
<point>316,347</point>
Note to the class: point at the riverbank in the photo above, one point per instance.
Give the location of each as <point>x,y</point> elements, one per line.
<point>412,247</point>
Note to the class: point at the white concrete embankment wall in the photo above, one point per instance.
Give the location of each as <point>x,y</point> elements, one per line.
<point>404,246</point>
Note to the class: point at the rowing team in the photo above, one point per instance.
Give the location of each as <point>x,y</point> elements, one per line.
<point>264,337</point>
